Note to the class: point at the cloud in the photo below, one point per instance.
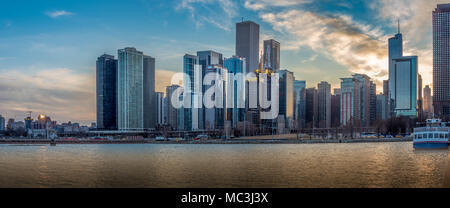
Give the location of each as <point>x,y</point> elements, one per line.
<point>416,25</point>
<point>311,59</point>
<point>216,12</point>
<point>162,80</point>
<point>264,4</point>
<point>59,13</point>
<point>361,48</point>
<point>60,93</point>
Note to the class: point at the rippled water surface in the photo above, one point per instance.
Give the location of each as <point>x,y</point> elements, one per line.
<point>249,165</point>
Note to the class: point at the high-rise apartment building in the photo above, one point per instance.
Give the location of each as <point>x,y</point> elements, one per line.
<point>130,89</point>
<point>350,101</point>
<point>324,104</point>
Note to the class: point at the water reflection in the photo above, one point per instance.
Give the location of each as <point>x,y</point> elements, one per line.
<point>255,165</point>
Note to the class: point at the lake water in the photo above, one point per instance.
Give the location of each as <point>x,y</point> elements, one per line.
<point>210,165</point>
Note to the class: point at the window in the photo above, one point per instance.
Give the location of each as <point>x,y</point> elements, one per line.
<point>425,136</point>
<point>436,135</point>
<point>442,136</point>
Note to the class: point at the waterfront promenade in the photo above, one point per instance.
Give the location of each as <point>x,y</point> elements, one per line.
<point>210,141</point>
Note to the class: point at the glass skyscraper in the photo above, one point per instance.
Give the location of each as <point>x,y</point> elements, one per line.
<point>106,75</point>
<point>300,103</point>
<point>237,89</point>
<point>205,59</point>
<point>441,60</point>
<point>130,89</point>
<point>286,96</point>
<point>192,88</point>
<point>395,45</point>
<point>405,89</point>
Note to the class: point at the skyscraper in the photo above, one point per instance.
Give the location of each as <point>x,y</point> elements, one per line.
<point>272,54</point>
<point>395,45</point>
<point>159,107</point>
<point>441,61</point>
<point>192,88</point>
<point>2,123</point>
<point>364,99</point>
<point>350,101</point>
<point>215,116</point>
<point>427,102</point>
<point>300,103</point>
<point>419,97</point>
<point>336,108</point>
<point>405,88</point>
<point>150,112</point>
<point>324,104</point>
<point>237,94</point>
<point>205,59</point>
<point>106,83</point>
<point>171,112</point>
<point>381,108</point>
<point>286,97</point>
<point>130,89</point>
<point>311,108</point>
<point>373,102</point>
<point>247,43</point>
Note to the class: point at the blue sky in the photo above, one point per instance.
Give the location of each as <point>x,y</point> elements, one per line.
<point>48,48</point>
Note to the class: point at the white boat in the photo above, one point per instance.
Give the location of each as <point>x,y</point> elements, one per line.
<point>434,135</point>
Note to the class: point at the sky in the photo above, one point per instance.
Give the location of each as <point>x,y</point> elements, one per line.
<point>48,48</point>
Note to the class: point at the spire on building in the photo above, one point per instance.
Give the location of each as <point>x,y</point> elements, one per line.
<point>398,25</point>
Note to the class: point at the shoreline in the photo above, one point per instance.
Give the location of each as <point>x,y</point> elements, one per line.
<point>231,141</point>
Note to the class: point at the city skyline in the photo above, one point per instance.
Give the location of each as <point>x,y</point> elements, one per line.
<point>63,85</point>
